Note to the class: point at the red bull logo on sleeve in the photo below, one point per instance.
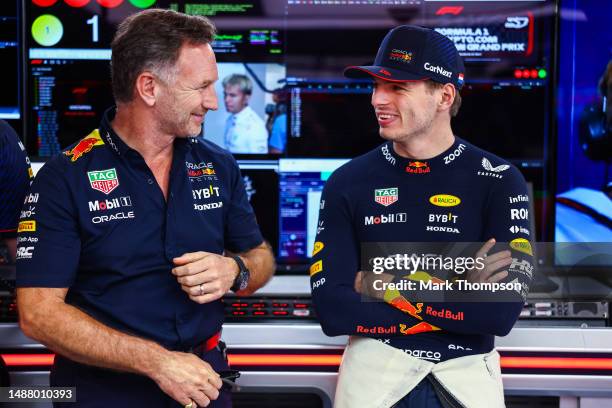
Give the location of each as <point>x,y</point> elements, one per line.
<point>84,146</point>
<point>376,329</point>
<point>421,327</point>
<point>395,299</point>
<point>444,313</point>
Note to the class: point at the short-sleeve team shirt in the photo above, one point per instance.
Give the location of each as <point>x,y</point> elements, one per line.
<point>15,176</point>
<point>102,228</point>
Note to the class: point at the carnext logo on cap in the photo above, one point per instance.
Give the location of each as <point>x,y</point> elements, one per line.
<point>436,69</point>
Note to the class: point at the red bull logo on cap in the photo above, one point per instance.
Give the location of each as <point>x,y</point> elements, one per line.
<point>84,146</point>
<point>400,55</point>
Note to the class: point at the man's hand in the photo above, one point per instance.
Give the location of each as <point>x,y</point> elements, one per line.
<point>187,378</point>
<point>205,276</point>
<point>492,263</point>
<point>364,283</point>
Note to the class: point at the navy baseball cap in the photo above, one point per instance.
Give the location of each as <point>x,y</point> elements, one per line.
<point>412,53</point>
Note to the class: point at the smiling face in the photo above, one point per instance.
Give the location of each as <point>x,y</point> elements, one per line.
<point>182,104</point>
<point>403,109</point>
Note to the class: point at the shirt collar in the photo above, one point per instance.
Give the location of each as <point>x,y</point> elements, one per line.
<point>243,113</point>
<point>416,166</point>
<point>108,134</point>
<point>119,146</point>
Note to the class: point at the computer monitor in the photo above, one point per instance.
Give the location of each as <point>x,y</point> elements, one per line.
<point>509,54</point>
<point>261,179</point>
<point>10,50</point>
<point>507,47</point>
<point>301,183</point>
<point>243,122</point>
<point>68,73</point>
<point>583,204</point>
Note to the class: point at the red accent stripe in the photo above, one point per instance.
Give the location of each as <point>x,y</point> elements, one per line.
<point>284,360</point>
<point>530,41</point>
<point>8,230</point>
<point>20,360</point>
<point>304,360</point>
<point>212,342</point>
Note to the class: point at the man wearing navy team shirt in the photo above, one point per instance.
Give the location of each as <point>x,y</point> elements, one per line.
<point>140,229</point>
<point>422,185</point>
<point>15,175</point>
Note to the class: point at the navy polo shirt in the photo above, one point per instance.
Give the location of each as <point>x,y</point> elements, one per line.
<point>103,229</point>
<point>15,175</point>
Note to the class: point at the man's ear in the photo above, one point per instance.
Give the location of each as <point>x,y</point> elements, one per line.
<point>147,88</point>
<point>447,97</point>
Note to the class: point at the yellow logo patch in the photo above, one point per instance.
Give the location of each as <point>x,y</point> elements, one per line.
<point>444,200</point>
<point>521,245</point>
<point>27,226</point>
<point>316,268</point>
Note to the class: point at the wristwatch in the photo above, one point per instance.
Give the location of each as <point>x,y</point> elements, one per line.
<point>242,280</point>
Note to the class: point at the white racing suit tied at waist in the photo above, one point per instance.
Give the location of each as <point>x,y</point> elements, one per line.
<point>375,375</point>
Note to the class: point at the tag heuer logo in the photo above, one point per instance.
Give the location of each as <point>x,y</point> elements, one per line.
<point>103,180</point>
<point>386,196</point>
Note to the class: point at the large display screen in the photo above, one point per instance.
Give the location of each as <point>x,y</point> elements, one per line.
<point>68,55</point>
<point>583,204</point>
<point>300,187</point>
<point>291,53</point>
<point>11,62</point>
<point>507,47</point>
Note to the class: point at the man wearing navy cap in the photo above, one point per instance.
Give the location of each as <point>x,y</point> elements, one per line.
<point>423,185</point>
<point>139,229</point>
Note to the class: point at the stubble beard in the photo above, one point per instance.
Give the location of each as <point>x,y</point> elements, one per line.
<point>406,133</point>
<point>174,122</point>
